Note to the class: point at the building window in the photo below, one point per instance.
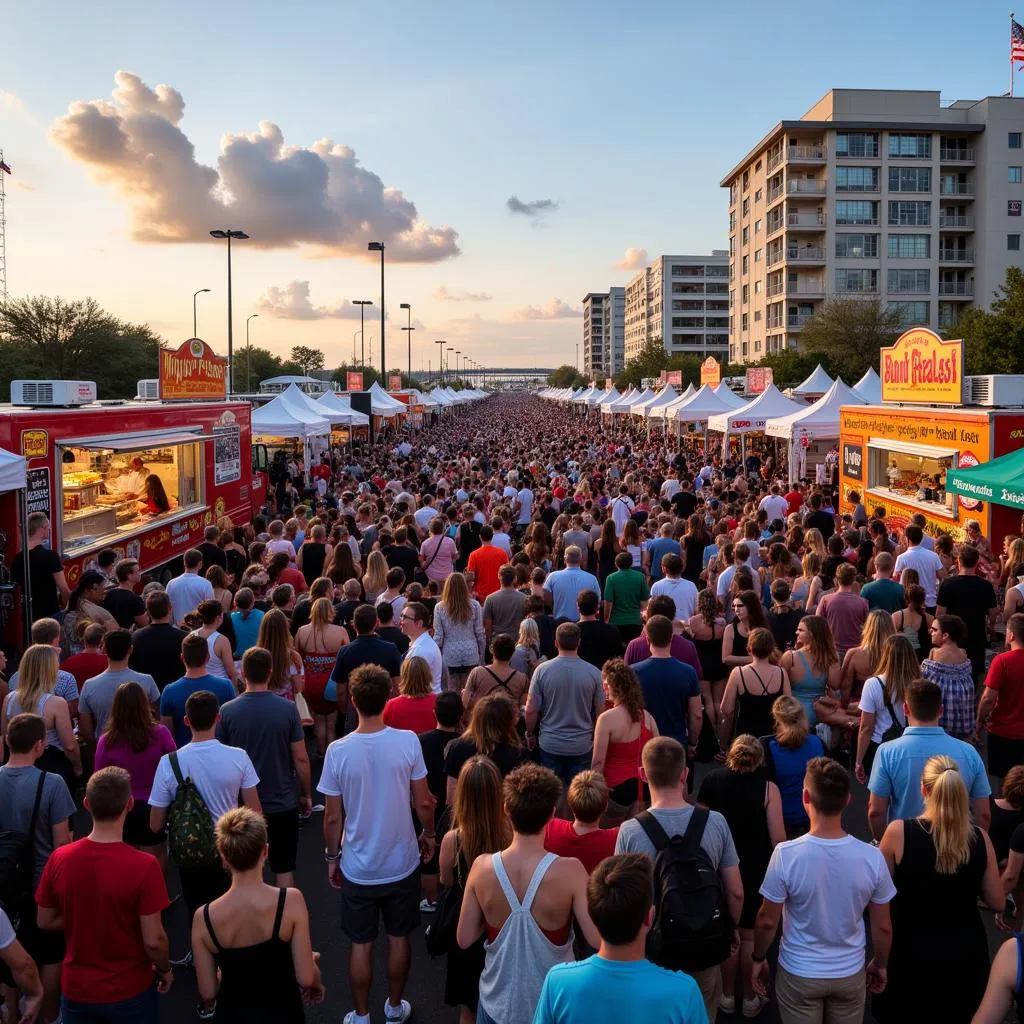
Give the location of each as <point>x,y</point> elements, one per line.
<point>857,179</point>
<point>757,196</point>
<point>745,293</point>
<point>757,287</point>
<point>746,180</point>
<point>745,236</point>
<point>909,282</point>
<point>856,280</point>
<point>746,207</point>
<point>757,315</point>
<point>856,246</point>
<point>910,313</point>
<point>910,213</point>
<point>1013,175</point>
<point>1013,207</point>
<point>745,265</point>
<point>757,167</point>
<point>744,321</point>
<point>909,247</point>
<point>733,194</point>
<point>856,211</point>
<point>732,221</point>
<point>757,255</point>
<point>1013,243</point>
<point>910,179</point>
<point>1013,140</point>
<point>910,145</point>
<point>857,144</point>
<point>757,227</point>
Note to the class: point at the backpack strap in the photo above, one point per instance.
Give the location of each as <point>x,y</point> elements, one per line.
<point>888,705</point>
<point>175,767</point>
<point>36,805</point>
<point>657,835</point>
<point>695,829</point>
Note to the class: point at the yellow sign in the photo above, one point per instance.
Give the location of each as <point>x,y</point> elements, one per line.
<point>711,371</point>
<point>923,369</point>
<point>34,444</point>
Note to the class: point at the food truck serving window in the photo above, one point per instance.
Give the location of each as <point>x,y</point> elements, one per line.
<point>912,474</point>
<point>113,487</point>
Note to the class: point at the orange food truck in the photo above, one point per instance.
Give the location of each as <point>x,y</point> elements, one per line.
<point>932,418</point>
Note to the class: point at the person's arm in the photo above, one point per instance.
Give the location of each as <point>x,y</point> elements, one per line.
<point>987,704</point>
<point>847,672</point>
<point>478,629</point>
<point>63,590</point>
<point>597,758</point>
<point>881,942</point>
<point>423,806</point>
<point>251,799</point>
<point>878,813</point>
<point>532,714</point>
<point>1002,984</point>
<point>62,723</point>
<point>733,885</point>
<point>304,960</point>
<point>471,917</point>
<point>696,710</point>
<point>728,706</point>
<point>207,976</point>
<point>157,818</point>
<point>154,940</point>
<point>26,979</point>
<point>867,727</point>
<point>579,904</point>
<point>776,823</point>
<point>891,846</point>
<point>300,758</point>
<point>765,928</point>
<point>223,650</point>
<point>446,859</point>
<point>981,812</point>
<point>86,726</point>
<point>991,884</point>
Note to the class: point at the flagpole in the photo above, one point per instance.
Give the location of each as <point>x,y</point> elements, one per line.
<point>1011,53</point>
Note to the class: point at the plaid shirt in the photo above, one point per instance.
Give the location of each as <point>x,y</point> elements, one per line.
<point>957,683</point>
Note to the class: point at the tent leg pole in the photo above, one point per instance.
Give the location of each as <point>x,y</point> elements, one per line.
<point>27,589</point>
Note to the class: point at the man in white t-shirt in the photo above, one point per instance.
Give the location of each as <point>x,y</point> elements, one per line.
<point>427,512</point>
<point>927,563</point>
<point>369,778</point>
<point>220,773</point>
<point>825,880</point>
<point>413,623</point>
<point>622,508</point>
<point>775,504</point>
<point>672,584</point>
<point>525,499</point>
<point>187,591</point>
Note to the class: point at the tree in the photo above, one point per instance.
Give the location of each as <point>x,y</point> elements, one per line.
<point>566,376</point>
<point>307,358</point>
<point>848,334</point>
<point>370,375</point>
<point>648,362</point>
<point>264,364</point>
<point>994,342</point>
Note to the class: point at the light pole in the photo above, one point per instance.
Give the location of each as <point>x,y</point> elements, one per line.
<point>362,304</point>
<point>248,356</point>
<point>229,233</point>
<point>449,349</point>
<point>379,247</point>
<point>440,360</point>
<point>409,329</point>
<point>194,294</point>
<point>354,333</point>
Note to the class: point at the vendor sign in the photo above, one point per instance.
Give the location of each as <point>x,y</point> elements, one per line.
<point>192,371</point>
<point>923,369</point>
<point>711,371</point>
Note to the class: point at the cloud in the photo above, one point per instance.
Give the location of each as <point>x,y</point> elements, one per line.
<point>633,259</point>
<point>292,302</point>
<point>11,102</point>
<point>534,208</point>
<point>442,294</point>
<point>556,309</point>
<point>282,195</point>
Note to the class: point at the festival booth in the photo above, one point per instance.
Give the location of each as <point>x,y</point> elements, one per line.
<point>621,404</point>
<point>918,449</point>
<point>642,408</point>
<point>665,397</point>
<point>283,426</point>
<point>815,386</point>
<point>14,480</point>
<point>666,413</point>
<point>812,432</point>
<point>869,387</point>
<point>696,410</point>
<point>345,421</point>
<point>729,397</point>
<point>752,417</point>
<point>444,402</point>
<point>611,396</point>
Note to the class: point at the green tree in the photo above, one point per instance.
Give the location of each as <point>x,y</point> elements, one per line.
<point>264,364</point>
<point>648,362</point>
<point>994,342</point>
<point>307,358</point>
<point>847,333</point>
<point>566,376</point>
<point>370,375</point>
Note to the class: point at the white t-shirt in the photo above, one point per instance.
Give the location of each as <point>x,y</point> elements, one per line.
<point>187,591</point>
<point>670,488</point>
<point>424,515</point>
<point>218,771</point>
<point>776,506</point>
<point>503,541</point>
<point>425,647</point>
<point>372,773</point>
<point>622,509</point>
<point>525,497</point>
<point>510,492</point>
<point>872,700</point>
<point>275,547</point>
<point>927,563</point>
<point>683,592</point>
<point>825,885</point>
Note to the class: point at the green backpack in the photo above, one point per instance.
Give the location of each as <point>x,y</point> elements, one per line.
<point>190,826</point>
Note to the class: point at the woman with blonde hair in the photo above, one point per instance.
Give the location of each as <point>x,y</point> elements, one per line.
<point>413,708</point>
<point>492,733</point>
<point>37,677</point>
<point>375,579</point>
<point>942,865</point>
<point>881,701</point>
<point>254,932</point>
<point>813,541</point>
<point>286,678</point>
<point>318,643</point>
<point>459,630</point>
<point>810,566</point>
<point>752,807</point>
<point>619,738</point>
<point>862,662</point>
<point>787,752</point>
<point>479,827</point>
<point>526,656</point>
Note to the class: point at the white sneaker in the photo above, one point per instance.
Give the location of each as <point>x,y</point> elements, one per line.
<point>401,1018</point>
<point>727,1004</point>
<point>353,1018</point>
<point>753,1007</point>
<point>426,907</point>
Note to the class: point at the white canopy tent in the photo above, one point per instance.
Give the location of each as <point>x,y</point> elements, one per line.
<point>696,409</point>
<point>816,385</point>
<point>279,419</point>
<point>665,398</point>
<point>610,398</point>
<point>752,417</point>
<point>728,396</point>
<point>395,406</point>
<point>13,472</point>
<point>14,477</point>
<point>339,405</point>
<point>302,405</point>
<point>667,411</point>
<point>641,408</point>
<point>623,402</point>
<point>869,387</point>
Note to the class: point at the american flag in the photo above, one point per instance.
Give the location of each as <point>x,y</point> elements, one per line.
<point>1016,41</point>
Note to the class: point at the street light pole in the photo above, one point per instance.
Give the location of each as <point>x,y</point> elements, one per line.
<point>194,294</point>
<point>248,355</point>
<point>379,247</point>
<point>408,329</point>
<point>229,233</point>
<point>362,304</point>
<point>440,360</point>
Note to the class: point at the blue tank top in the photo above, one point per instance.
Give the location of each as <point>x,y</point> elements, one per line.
<point>809,689</point>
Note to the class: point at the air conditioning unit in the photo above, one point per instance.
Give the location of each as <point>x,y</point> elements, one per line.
<point>995,389</point>
<point>148,389</point>
<point>53,392</point>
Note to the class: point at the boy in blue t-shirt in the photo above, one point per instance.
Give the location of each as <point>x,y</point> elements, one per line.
<point>194,653</point>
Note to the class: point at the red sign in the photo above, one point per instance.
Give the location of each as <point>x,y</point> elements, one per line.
<point>395,382</point>
<point>759,378</point>
<point>354,380</point>
<point>675,378</point>
<point>663,376</point>
<point>711,371</point>
<point>192,371</point>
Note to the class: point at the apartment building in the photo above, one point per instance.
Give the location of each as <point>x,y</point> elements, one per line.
<point>880,194</point>
<point>603,339</point>
<point>682,302</point>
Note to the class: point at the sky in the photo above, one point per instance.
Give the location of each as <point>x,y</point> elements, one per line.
<point>513,158</point>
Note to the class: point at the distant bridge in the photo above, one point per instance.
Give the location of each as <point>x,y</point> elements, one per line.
<point>497,376</point>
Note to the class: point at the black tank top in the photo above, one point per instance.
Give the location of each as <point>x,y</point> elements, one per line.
<point>314,554</point>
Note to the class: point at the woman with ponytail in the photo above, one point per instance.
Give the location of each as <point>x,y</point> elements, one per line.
<point>942,865</point>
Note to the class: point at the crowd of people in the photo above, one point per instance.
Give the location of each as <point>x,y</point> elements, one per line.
<point>592,706</point>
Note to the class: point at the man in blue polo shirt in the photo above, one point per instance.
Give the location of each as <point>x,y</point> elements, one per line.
<point>561,588</point>
<point>895,784</point>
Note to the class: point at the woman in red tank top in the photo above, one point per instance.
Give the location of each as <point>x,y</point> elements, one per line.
<point>619,738</point>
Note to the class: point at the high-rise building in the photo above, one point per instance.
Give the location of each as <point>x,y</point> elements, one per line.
<point>875,194</point>
<point>682,302</point>
<point>603,345</point>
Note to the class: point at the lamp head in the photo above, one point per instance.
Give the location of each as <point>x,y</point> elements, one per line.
<point>201,290</point>
<point>404,305</point>
<point>219,234</point>
<point>375,246</point>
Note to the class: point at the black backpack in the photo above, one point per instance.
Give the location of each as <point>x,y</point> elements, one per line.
<point>18,862</point>
<point>895,730</point>
<point>692,928</point>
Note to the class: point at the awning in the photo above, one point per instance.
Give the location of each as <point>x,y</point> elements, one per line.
<point>1000,481</point>
<point>12,471</point>
<point>137,442</point>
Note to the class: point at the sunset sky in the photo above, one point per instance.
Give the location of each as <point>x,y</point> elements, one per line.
<point>512,158</point>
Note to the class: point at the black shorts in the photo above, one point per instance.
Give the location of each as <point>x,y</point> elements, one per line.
<point>43,945</point>
<point>362,907</point>
<point>283,840</point>
<point>137,831</point>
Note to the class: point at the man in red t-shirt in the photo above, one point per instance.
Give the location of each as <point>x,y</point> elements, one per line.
<point>1003,698</point>
<point>583,838</point>
<point>794,498</point>
<point>107,897</point>
<point>484,564</point>
<point>90,662</point>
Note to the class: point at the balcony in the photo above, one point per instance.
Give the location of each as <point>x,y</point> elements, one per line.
<point>773,257</point>
<point>795,321</point>
<point>773,161</point>
<point>956,256</point>
<point>805,187</point>
<point>950,222</point>
<point>805,222</point>
<point>774,323</point>
<point>956,156</point>
<point>773,290</point>
<point>805,254</point>
<point>959,289</point>
<point>776,192</point>
<point>774,226</point>
<point>965,189</point>
<point>806,154</point>
<point>811,288</point>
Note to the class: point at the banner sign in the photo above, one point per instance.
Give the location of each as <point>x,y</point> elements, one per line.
<point>192,371</point>
<point>759,378</point>
<point>354,380</point>
<point>395,382</point>
<point>674,377</point>
<point>922,368</point>
<point>711,371</point>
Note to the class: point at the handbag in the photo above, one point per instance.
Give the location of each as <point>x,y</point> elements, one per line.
<point>439,935</point>
<point>895,730</point>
